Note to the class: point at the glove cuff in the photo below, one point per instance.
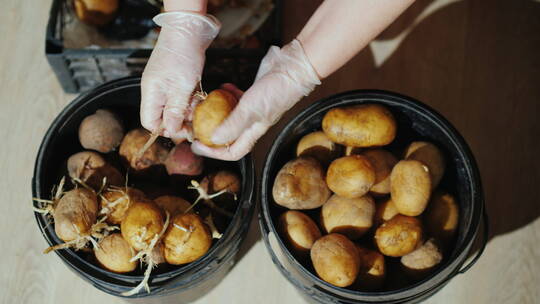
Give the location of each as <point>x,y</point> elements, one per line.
<point>190,22</point>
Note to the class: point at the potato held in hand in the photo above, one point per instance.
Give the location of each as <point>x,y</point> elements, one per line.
<point>429,155</point>
<point>382,162</point>
<point>399,236</point>
<point>335,259</point>
<point>351,217</point>
<point>115,254</point>
<point>181,160</point>
<point>210,113</point>
<point>102,131</point>
<point>318,146</point>
<point>410,187</point>
<point>90,168</point>
<point>300,185</point>
<point>299,230</point>
<point>350,176</point>
<point>187,239</point>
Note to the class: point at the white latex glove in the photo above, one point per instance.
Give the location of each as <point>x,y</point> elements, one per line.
<point>174,70</point>
<point>284,77</point>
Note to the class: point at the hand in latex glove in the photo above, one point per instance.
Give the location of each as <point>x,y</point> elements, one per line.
<point>284,77</point>
<point>174,70</point>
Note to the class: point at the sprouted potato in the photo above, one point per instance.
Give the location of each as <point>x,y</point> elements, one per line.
<point>186,240</point>
<point>115,254</point>
<point>91,168</point>
<point>299,230</point>
<point>350,176</point>
<point>115,202</point>
<point>352,217</point>
<point>132,145</point>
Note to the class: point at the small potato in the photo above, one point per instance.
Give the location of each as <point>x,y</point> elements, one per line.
<point>172,204</point>
<point>181,160</point>
<point>410,187</point>
<point>351,217</point>
<point>365,125</point>
<point>318,146</point>
<point>115,203</point>
<point>75,213</point>
<point>399,236</point>
<point>91,168</point>
<point>299,230</point>
<point>442,216</point>
<point>96,12</point>
<point>382,162</point>
<point>423,260</point>
<point>187,239</point>
<point>385,211</point>
<point>131,146</point>
<point>142,222</point>
<point>114,254</point>
<point>210,113</point>
<point>335,259</point>
<point>429,155</point>
<point>350,176</point>
<point>102,131</point>
<point>372,270</point>
<point>300,185</point>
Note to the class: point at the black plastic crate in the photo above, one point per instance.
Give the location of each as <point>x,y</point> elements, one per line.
<point>79,70</point>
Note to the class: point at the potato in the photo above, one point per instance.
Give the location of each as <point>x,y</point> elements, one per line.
<point>300,185</point>
<point>428,154</point>
<point>181,160</point>
<point>318,146</point>
<point>350,176</point>
<point>132,144</point>
<point>442,216</point>
<point>351,217</point>
<point>102,131</point>
<point>114,254</point>
<point>210,113</point>
<point>299,230</point>
<point>385,211</point>
<point>115,202</point>
<point>410,187</point>
<point>172,204</point>
<point>91,168</point>
<point>187,239</point>
<point>96,12</point>
<point>353,150</point>
<point>372,270</point>
<point>335,259</point>
<point>423,260</point>
<point>382,162</point>
<point>221,180</point>
<point>142,222</point>
<point>158,253</point>
<point>366,125</point>
<point>75,213</point>
<point>399,236</point>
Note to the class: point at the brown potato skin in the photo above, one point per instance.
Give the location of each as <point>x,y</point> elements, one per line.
<point>318,146</point>
<point>423,260</point>
<point>210,113</point>
<point>75,213</point>
<point>350,176</point>
<point>399,236</point>
<point>299,230</point>
<point>382,162</point>
<point>133,142</point>
<point>442,216</point>
<point>428,154</point>
<point>386,210</point>
<point>335,259</point>
<point>182,247</point>
<point>122,200</point>
<point>372,270</point>
<point>114,254</point>
<point>221,180</point>
<point>90,167</point>
<point>172,204</point>
<point>410,187</point>
<point>142,214</point>
<point>300,185</point>
<point>352,217</point>
<point>96,12</point>
<point>102,131</point>
<point>365,125</point>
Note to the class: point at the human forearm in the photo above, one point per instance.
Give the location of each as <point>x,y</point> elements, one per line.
<point>188,5</point>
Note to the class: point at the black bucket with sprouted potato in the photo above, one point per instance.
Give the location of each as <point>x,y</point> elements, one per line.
<point>179,283</point>
<point>415,121</point>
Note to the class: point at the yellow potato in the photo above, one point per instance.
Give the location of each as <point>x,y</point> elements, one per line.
<point>428,154</point>
<point>300,185</point>
<point>318,146</point>
<point>142,222</point>
<point>91,168</point>
<point>114,254</point>
<point>385,211</point>
<point>172,204</point>
<point>335,259</point>
<point>210,113</point>
<point>75,213</point>
<point>382,162</point>
<point>187,239</point>
<point>399,236</point>
<point>410,187</point>
<point>442,216</point>
<point>299,230</point>
<point>133,143</point>
<point>115,202</point>
<point>365,125</point>
<point>423,260</point>
<point>350,176</point>
<point>372,270</point>
<point>351,217</point>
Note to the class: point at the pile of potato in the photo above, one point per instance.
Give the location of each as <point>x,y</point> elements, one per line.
<point>362,217</point>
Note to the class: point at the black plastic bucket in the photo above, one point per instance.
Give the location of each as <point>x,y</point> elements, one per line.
<point>181,283</point>
<point>416,121</point>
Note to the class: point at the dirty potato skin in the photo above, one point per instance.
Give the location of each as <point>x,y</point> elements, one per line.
<point>117,203</point>
<point>114,254</point>
<point>299,230</point>
<point>142,222</point>
<point>210,113</point>
<point>318,146</point>
<point>442,216</point>
<point>372,270</point>
<point>385,211</point>
<point>382,162</point>
<point>336,259</point>
<point>350,176</point>
<point>352,217</point>
<point>133,142</point>
<point>423,260</point>
<point>399,236</point>
<point>102,131</point>
<point>172,204</point>
<point>300,184</point>
<point>428,154</point>
<point>365,125</point>
<point>90,167</point>
<point>75,214</point>
<point>410,187</point>
<point>182,247</point>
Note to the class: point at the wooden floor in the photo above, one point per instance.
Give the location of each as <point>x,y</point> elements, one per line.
<point>477,62</point>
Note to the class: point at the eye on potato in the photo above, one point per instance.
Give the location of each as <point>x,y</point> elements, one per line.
<point>299,230</point>
<point>114,202</point>
<point>186,239</point>
<point>90,168</point>
<point>442,216</point>
<point>399,236</point>
<point>318,146</point>
<point>172,204</point>
<point>300,185</point>
<point>143,221</point>
<point>352,217</point>
<point>210,113</point>
<point>133,143</point>
<point>428,154</point>
<point>372,270</point>
<point>335,259</point>
<point>75,214</point>
<point>350,176</point>
<point>423,260</point>
<point>385,211</point>
<point>382,162</point>
<point>114,254</point>
<point>410,187</point>
<point>366,125</point>
<point>101,131</point>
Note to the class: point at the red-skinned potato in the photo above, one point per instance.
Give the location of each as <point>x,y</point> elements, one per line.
<point>399,236</point>
<point>210,113</point>
<point>352,217</point>
<point>335,259</point>
<point>90,168</point>
<point>101,131</point>
<point>299,230</point>
<point>318,146</point>
<point>410,187</point>
<point>114,254</point>
<point>428,154</point>
<point>350,176</point>
<point>382,162</point>
<point>181,160</point>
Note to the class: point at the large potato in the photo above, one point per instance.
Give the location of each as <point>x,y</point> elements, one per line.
<point>399,236</point>
<point>366,125</point>
<point>187,239</point>
<point>75,213</point>
<point>115,254</point>
<point>385,211</point>
<point>299,230</point>
<point>91,168</point>
<point>352,217</point>
<point>410,187</point>
<point>423,260</point>
<point>350,176</point>
<point>210,113</point>
<point>172,204</point>
<point>142,222</point>
<point>382,162</point>
<point>115,203</point>
<point>318,146</point>
<point>372,270</point>
<point>429,155</point>
<point>300,185</point>
<point>442,216</point>
<point>133,143</point>
<point>335,259</point>
<point>101,131</point>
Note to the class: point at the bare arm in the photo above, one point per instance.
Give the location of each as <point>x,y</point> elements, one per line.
<point>188,5</point>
